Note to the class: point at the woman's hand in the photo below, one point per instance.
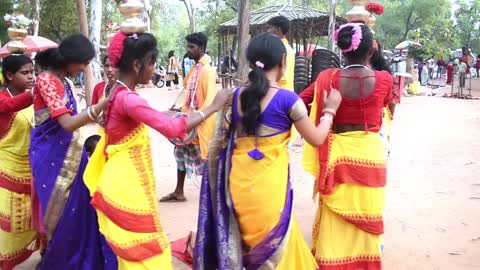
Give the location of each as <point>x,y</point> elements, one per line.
<point>332,100</point>
<point>221,98</point>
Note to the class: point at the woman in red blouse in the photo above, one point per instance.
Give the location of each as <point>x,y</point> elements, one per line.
<point>120,173</point>
<point>58,162</point>
<point>350,167</point>
<point>18,237</point>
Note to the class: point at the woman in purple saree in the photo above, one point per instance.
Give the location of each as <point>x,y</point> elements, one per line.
<point>246,204</point>
<point>58,161</point>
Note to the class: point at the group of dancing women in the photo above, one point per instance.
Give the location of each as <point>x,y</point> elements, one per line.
<point>101,212</point>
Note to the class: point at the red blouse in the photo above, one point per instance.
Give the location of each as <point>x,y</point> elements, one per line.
<point>98,92</point>
<point>367,110</point>
<point>9,106</point>
<point>128,110</point>
<point>48,92</point>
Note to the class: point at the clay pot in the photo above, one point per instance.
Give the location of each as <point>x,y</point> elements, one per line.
<point>17,35</point>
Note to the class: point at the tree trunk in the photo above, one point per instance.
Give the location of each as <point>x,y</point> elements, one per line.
<point>95,36</point>
<point>36,17</point>
<point>331,24</point>
<point>83,26</point>
<point>189,8</point>
<point>243,32</point>
<point>407,25</point>
<point>146,16</point>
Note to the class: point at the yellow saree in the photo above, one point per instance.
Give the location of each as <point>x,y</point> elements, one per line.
<point>121,181</point>
<point>258,190</point>
<point>350,175</point>
<point>17,237</point>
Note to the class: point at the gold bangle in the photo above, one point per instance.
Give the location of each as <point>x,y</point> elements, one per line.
<point>89,113</point>
<point>202,114</point>
<point>94,113</point>
<point>331,111</point>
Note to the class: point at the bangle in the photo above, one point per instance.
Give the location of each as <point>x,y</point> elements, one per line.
<point>202,114</point>
<point>331,111</point>
<point>94,113</point>
<point>327,117</point>
<point>89,113</point>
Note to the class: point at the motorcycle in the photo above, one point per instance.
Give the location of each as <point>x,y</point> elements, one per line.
<point>159,77</point>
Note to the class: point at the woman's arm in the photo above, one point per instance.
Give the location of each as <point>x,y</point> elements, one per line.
<point>314,135</point>
<point>317,135</point>
<point>47,88</point>
<point>16,103</point>
<point>138,109</point>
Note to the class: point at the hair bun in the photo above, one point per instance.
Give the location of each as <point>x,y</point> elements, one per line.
<point>345,38</point>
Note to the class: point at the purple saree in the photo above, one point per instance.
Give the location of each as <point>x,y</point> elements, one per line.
<point>58,161</point>
<point>219,243</point>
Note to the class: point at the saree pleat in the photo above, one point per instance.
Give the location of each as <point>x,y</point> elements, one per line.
<point>261,201</point>
<point>58,161</point>
<point>121,180</point>
<point>18,239</point>
<point>350,175</point>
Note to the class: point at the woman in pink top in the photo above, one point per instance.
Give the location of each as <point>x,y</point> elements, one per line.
<point>120,174</point>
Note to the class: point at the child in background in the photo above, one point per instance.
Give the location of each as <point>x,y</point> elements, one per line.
<point>91,143</point>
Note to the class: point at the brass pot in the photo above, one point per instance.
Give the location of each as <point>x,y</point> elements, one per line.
<point>358,12</point>
<point>132,10</point>
<point>371,22</point>
<point>17,35</point>
<point>133,25</point>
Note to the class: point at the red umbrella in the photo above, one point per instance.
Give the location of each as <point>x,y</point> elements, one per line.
<point>34,44</point>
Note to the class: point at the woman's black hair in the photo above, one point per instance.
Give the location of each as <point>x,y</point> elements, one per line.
<point>378,62</point>
<point>267,50</point>
<point>171,53</point>
<point>141,47</point>
<point>104,59</point>
<point>13,63</point>
<point>345,41</point>
<point>91,143</point>
<point>199,39</point>
<point>72,49</point>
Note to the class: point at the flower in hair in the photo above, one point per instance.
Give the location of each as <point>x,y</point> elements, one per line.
<point>259,64</point>
<point>134,36</point>
<point>356,36</point>
<point>376,8</point>
<point>115,50</point>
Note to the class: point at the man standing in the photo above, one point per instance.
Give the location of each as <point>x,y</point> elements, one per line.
<point>200,85</point>
<point>280,26</point>
<point>462,71</point>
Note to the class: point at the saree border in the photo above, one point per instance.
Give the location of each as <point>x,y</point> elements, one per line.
<point>4,131</point>
<point>15,184</point>
<point>60,194</point>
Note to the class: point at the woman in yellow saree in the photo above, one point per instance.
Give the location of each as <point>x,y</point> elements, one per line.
<point>120,172</point>
<point>350,168</point>
<point>246,203</point>
<point>18,238</point>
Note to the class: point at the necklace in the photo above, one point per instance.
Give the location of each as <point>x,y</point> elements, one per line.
<point>32,123</point>
<point>356,66</point>
<point>124,84</point>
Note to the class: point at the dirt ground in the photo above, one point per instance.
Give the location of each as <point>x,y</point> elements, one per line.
<point>432,210</point>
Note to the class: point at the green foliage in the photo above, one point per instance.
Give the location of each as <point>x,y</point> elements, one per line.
<point>467,17</point>
<point>6,6</point>
<point>58,18</point>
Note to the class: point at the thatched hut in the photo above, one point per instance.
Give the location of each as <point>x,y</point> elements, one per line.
<point>307,26</point>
